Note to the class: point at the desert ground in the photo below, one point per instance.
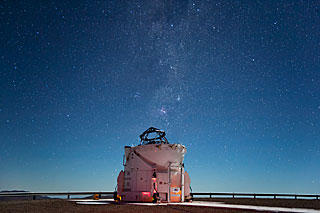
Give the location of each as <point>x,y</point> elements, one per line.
<point>60,205</point>
<point>289,203</point>
<point>56,206</point>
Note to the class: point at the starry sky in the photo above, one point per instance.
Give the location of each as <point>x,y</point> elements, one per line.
<point>236,82</point>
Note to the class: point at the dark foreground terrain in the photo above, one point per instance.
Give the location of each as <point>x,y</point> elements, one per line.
<point>289,203</point>
<point>57,205</point>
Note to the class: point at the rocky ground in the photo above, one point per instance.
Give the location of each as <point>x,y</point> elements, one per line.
<point>290,203</point>
<point>56,206</point>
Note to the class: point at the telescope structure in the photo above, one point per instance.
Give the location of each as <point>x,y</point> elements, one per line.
<point>153,171</point>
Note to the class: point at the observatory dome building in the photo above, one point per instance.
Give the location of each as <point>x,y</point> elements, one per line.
<point>153,171</point>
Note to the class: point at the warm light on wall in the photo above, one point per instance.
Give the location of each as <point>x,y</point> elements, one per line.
<point>146,193</point>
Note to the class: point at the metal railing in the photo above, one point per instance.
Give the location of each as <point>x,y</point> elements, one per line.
<point>35,194</point>
<point>253,195</point>
<point>194,195</point>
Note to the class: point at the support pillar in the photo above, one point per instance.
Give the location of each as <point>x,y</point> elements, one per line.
<point>169,182</point>
<point>182,183</point>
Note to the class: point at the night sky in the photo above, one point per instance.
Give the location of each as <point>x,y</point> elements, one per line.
<point>236,82</point>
